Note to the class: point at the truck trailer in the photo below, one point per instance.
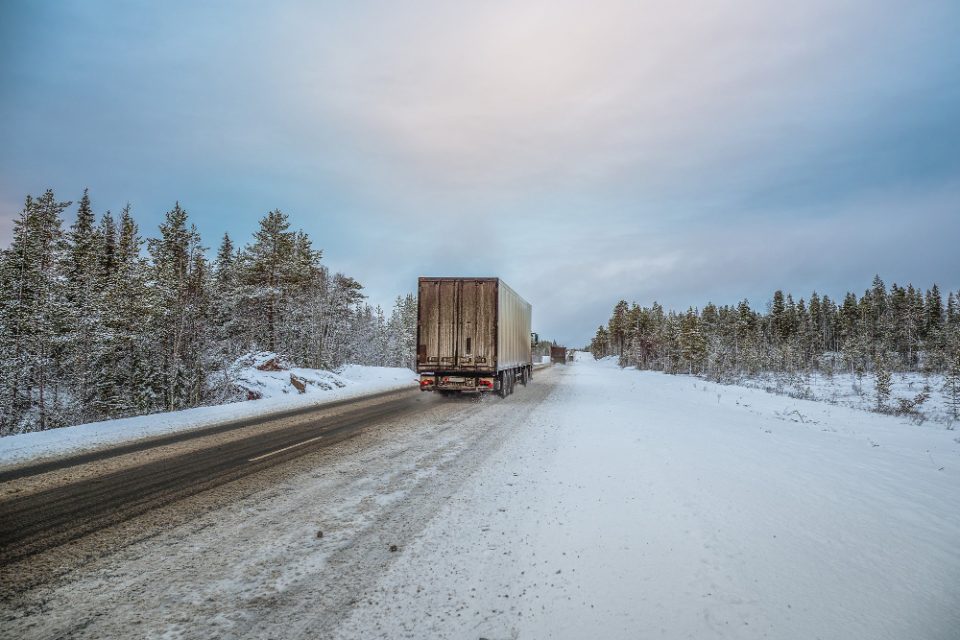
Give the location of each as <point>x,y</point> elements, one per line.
<point>558,355</point>
<point>473,336</point>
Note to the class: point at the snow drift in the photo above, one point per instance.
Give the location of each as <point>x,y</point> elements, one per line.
<point>271,385</point>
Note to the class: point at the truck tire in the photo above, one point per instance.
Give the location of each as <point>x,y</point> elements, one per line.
<point>502,379</point>
<point>524,375</point>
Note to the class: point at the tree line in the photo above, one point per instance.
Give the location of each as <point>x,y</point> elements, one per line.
<point>882,330</point>
<point>97,322</point>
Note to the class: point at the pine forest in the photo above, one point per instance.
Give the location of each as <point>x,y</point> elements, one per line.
<point>881,332</point>
<point>97,322</point>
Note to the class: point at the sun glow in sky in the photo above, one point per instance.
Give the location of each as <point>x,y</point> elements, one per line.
<point>585,152</point>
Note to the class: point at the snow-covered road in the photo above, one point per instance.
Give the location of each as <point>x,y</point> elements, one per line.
<point>637,505</point>
<point>596,503</point>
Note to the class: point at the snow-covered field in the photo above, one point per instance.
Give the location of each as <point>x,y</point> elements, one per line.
<point>595,503</point>
<point>277,393</point>
<point>848,390</point>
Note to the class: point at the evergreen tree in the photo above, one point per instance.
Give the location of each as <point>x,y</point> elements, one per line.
<point>296,336</point>
<point>124,385</point>
<point>600,344</point>
<point>227,295</point>
<point>83,287</point>
<point>692,344</point>
<point>83,249</point>
<point>344,294</point>
<point>380,338</point>
<point>817,335</point>
<point>883,382</point>
<point>269,272</point>
<point>951,387</point>
<point>934,310</point>
<point>778,322</point>
<point>106,238</point>
<point>619,326</point>
<point>408,315</point>
<point>179,307</point>
<point>34,310</point>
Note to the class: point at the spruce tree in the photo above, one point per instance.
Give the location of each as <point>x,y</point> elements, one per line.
<point>84,286</point>
<point>599,346</point>
<point>692,344</point>
<point>83,250</point>
<point>106,236</point>
<point>306,274</point>
<point>953,310</point>
<point>777,320</point>
<point>270,269</point>
<point>126,384</point>
<point>226,294</point>
<point>951,386</point>
<point>818,342</point>
<point>619,326</point>
<point>934,309</point>
<point>179,306</point>
<point>34,308</point>
<point>883,382</point>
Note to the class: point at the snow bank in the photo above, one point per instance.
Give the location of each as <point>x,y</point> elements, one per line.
<point>277,391</point>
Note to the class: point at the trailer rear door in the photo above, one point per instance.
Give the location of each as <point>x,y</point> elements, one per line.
<point>457,324</point>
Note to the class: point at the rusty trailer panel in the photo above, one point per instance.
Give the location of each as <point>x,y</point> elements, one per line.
<point>471,325</point>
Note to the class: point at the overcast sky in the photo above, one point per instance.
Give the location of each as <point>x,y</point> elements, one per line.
<point>585,152</point>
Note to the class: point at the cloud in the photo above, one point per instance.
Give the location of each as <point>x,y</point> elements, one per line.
<point>799,251</point>
<point>530,96</point>
<point>585,152</point>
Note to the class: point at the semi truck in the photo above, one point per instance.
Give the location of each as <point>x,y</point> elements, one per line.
<point>473,336</point>
<point>558,355</point>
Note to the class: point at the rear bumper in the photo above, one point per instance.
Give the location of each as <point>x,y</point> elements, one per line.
<point>457,383</point>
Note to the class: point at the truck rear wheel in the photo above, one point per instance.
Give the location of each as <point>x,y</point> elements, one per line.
<point>502,379</point>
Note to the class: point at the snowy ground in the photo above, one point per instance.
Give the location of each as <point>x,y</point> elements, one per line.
<point>848,390</point>
<point>596,503</point>
<point>641,505</point>
<point>278,395</point>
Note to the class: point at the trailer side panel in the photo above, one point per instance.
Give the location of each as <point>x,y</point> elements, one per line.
<point>513,329</point>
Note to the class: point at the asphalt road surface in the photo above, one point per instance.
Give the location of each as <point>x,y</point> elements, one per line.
<point>73,504</point>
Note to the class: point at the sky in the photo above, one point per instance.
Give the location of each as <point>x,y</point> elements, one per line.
<point>584,152</point>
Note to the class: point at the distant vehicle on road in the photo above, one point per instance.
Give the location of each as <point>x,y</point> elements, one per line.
<point>558,355</point>
<point>473,336</point>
